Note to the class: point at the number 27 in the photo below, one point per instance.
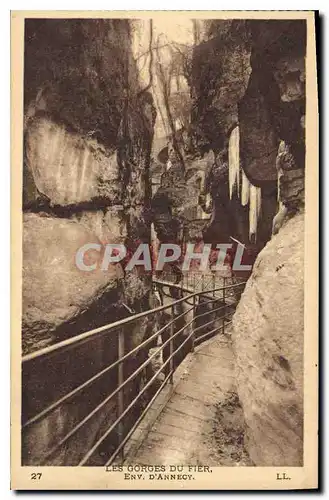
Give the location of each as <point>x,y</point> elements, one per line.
<point>36,475</point>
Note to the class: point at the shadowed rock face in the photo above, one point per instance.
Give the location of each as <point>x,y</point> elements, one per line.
<point>177,204</point>
<point>77,70</point>
<point>220,74</point>
<point>258,137</point>
<point>274,104</point>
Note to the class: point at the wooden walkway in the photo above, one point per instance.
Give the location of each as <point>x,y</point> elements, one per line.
<point>179,427</point>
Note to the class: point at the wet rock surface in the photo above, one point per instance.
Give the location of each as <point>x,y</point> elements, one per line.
<point>67,168</point>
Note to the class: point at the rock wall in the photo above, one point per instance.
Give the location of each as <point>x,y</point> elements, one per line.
<point>251,74</point>
<point>88,136</point>
<point>268,342</point>
<point>88,131</point>
<point>180,203</point>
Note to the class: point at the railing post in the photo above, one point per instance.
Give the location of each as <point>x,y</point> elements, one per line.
<point>213,284</point>
<point>171,346</point>
<point>192,337</point>
<point>224,305</point>
<point>120,397</point>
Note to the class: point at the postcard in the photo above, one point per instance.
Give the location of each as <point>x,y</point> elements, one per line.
<point>165,179</point>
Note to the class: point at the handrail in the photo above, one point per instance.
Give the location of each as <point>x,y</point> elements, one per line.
<point>130,406</point>
<point>140,418</point>
<point>85,384</point>
<point>101,405</point>
<point>112,326</point>
<point>122,357</point>
<point>112,427</point>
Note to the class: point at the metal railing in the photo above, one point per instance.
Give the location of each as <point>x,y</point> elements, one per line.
<point>205,309</point>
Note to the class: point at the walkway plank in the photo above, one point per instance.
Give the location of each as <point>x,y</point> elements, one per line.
<point>182,432</point>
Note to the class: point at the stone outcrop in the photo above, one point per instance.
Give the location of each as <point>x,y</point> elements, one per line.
<point>55,291</point>
<point>219,78</point>
<point>291,187</point>
<point>268,341</point>
<point>68,168</point>
<point>180,203</point>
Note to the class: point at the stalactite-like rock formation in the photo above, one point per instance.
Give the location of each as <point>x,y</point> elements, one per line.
<point>251,74</point>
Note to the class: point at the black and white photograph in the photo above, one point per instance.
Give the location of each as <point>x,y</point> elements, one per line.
<point>166,237</point>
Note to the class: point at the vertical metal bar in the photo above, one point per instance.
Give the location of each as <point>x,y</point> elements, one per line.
<point>202,282</point>
<point>171,346</point>
<point>120,397</point>
<point>213,284</point>
<point>224,284</point>
<point>193,325</point>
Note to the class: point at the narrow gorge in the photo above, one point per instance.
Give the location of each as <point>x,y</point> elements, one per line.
<point>134,136</point>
